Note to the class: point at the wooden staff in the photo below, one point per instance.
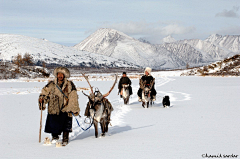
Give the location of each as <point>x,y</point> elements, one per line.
<point>40,123</point>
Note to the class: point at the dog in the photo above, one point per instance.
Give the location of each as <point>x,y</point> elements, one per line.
<point>166,101</point>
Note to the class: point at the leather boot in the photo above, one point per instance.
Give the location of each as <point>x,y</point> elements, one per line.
<point>65,138</point>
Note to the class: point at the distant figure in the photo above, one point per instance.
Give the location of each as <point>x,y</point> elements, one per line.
<point>147,78</point>
<point>124,80</point>
<point>62,99</point>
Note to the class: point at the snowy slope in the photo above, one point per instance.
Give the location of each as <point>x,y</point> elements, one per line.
<point>216,47</point>
<point>171,54</point>
<point>230,42</point>
<point>9,70</point>
<point>183,53</point>
<point>52,53</point>
<point>118,45</point>
<point>227,67</point>
<point>200,121</point>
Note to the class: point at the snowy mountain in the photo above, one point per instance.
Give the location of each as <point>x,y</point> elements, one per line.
<point>170,55</point>
<point>118,45</point>
<point>183,54</point>
<point>168,39</point>
<point>111,48</point>
<point>216,47</point>
<point>229,42</point>
<point>54,54</point>
<point>143,40</point>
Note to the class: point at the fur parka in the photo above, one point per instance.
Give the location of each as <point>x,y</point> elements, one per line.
<point>56,100</point>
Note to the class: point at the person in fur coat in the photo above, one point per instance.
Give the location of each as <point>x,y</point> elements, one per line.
<point>124,80</point>
<point>148,78</point>
<point>62,99</point>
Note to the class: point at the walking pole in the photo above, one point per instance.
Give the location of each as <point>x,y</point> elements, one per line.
<point>40,123</point>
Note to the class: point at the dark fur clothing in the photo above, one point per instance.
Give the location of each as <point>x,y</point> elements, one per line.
<point>125,80</point>
<point>148,79</point>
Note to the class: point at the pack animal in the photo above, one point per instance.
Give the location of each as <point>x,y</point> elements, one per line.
<point>99,108</point>
<point>125,93</point>
<point>146,92</point>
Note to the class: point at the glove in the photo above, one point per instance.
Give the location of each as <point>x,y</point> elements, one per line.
<point>41,106</point>
<point>76,114</point>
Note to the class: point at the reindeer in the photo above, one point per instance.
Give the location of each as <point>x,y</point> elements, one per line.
<point>125,93</point>
<point>146,92</point>
<point>99,108</point>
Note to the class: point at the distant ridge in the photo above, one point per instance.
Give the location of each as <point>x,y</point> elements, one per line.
<point>109,48</point>
<point>171,54</point>
<point>55,54</point>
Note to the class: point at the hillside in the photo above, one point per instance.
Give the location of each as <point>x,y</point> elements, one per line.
<point>54,54</point>
<point>227,67</point>
<point>12,71</point>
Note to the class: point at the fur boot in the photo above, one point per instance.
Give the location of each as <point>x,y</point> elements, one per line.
<point>65,138</point>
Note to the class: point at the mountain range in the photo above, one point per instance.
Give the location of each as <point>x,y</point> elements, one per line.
<point>111,48</point>
<point>171,54</point>
<point>54,54</point>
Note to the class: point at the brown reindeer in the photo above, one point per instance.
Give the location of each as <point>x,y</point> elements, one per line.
<point>99,108</point>
<point>146,92</point>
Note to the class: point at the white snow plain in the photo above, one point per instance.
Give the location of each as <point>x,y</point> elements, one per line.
<point>203,120</point>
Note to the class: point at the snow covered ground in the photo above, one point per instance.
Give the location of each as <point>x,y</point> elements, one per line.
<point>203,119</point>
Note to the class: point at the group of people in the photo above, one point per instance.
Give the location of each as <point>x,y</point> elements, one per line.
<point>62,99</point>
<point>147,77</point>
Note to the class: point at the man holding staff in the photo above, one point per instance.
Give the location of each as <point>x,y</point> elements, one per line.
<point>62,99</point>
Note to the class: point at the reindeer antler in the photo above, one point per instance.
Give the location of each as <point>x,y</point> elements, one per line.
<point>105,95</point>
<point>151,83</point>
<point>84,94</point>
<point>142,84</point>
<point>86,77</point>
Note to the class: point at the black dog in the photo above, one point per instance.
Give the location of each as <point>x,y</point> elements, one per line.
<point>166,101</point>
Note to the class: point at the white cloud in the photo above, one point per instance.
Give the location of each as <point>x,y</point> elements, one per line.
<point>154,32</point>
<point>229,13</point>
<point>233,30</point>
<point>175,29</point>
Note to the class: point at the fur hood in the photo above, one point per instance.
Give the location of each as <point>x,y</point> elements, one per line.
<point>62,70</point>
<point>149,70</point>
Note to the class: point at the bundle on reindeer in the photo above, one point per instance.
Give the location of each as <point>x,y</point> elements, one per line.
<point>99,108</point>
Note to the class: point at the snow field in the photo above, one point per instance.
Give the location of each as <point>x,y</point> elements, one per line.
<point>203,118</point>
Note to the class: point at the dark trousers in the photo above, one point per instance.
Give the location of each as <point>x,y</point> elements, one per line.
<point>56,124</point>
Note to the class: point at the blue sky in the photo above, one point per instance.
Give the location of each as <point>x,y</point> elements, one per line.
<point>68,22</point>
